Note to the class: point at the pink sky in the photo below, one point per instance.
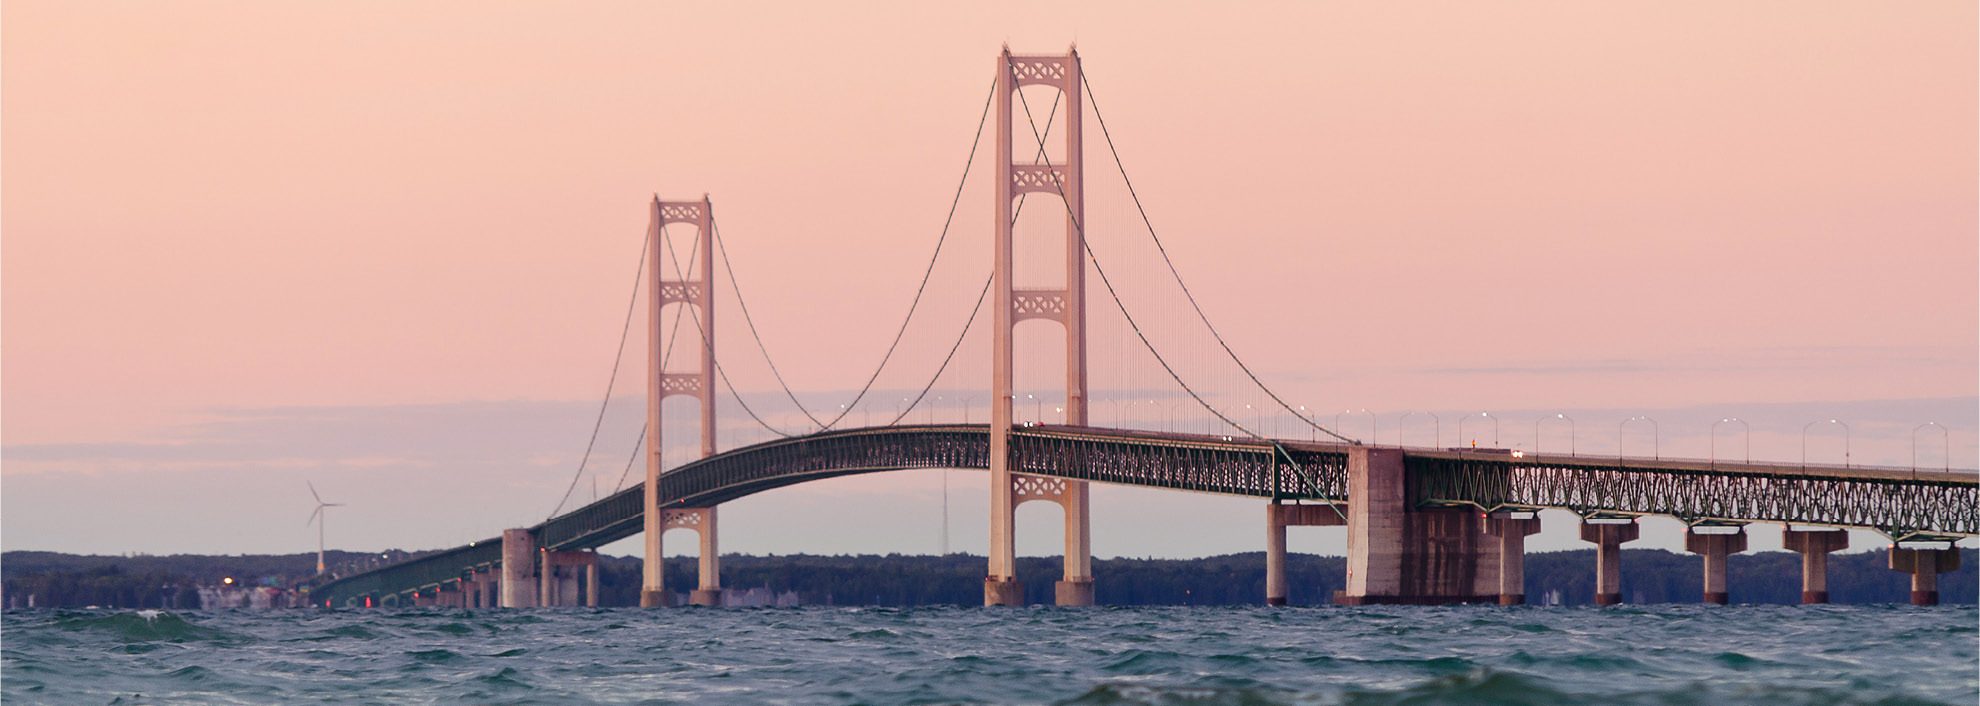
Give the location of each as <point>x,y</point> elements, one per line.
<point>217,209</point>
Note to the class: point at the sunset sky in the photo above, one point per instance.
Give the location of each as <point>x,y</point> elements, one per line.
<point>387,247</point>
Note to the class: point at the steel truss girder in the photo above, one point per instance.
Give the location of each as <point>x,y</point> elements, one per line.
<point>1896,507</point>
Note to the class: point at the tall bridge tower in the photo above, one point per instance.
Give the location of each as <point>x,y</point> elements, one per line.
<point>1065,304</point>
<point>698,292</point>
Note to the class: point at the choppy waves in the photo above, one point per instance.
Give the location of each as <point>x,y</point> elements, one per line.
<point>1887,656</point>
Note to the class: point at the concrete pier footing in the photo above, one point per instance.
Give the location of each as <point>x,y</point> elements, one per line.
<point>1073,593</point>
<point>1005,592</point>
<point>1924,565</point>
<point>1608,537</point>
<point>1715,543</point>
<point>1814,546</point>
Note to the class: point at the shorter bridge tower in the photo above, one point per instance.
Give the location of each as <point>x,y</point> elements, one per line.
<point>697,291</point>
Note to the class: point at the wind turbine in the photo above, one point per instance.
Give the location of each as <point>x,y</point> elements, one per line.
<point>317,518</point>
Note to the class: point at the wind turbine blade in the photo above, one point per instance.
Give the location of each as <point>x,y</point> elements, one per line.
<point>313,516</point>
<point>333,504</point>
<point>312,492</point>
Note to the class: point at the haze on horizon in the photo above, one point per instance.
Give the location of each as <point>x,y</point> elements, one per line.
<point>387,247</point>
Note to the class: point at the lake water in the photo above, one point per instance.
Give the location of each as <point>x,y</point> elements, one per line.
<point>1885,655</point>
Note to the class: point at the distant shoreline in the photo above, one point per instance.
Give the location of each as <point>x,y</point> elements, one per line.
<point>186,581</point>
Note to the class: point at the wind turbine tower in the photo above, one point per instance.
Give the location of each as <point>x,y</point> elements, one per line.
<point>318,518</point>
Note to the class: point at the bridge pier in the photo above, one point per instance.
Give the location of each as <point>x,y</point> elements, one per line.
<point>1814,544</point>
<point>1609,535</point>
<point>1924,565</point>
<point>1715,543</point>
<point>1279,516</point>
<point>559,578</point>
<point>709,589</point>
<point>1512,528</point>
<point>1401,554</point>
<point>518,569</point>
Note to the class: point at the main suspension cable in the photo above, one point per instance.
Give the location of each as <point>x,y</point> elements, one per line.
<point>1080,229</point>
<point>611,381</point>
<point>953,204</point>
<point>980,296</point>
<point>623,475</point>
<point>751,321</point>
<point>638,277</point>
<point>709,346</point>
<point>1205,318</point>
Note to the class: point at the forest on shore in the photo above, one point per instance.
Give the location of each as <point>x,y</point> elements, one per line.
<point>1566,578</point>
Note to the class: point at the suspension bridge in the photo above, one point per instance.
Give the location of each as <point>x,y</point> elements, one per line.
<point>1423,524</point>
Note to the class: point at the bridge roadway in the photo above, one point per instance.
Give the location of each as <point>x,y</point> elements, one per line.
<point>1902,503</point>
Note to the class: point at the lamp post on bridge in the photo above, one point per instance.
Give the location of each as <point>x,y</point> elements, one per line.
<point>1474,442</point>
<point>1536,433</point>
<point>1373,426</point>
<point>1944,438</point>
<point>966,403</point>
<point>931,409</point>
<point>1656,437</point>
<point>1436,429</point>
<point>1747,434</point>
<point>1804,441</point>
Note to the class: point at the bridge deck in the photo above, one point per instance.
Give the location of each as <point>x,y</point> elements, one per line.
<point>1900,502</point>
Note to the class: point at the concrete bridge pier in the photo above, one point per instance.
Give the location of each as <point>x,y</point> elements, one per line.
<point>1401,554</point>
<point>1715,543</point>
<point>1279,516</point>
<point>560,579</point>
<point>1512,527</point>
<point>451,595</point>
<point>1814,544</point>
<point>1924,565</point>
<point>1609,534</point>
<point>518,569</point>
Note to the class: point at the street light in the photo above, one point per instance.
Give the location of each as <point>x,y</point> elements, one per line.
<point>1372,423</point>
<point>1474,442</point>
<point>1536,433</point>
<point>1944,438</point>
<point>1312,434</point>
<point>1037,408</point>
<point>1747,434</point>
<point>1656,437</point>
<point>931,409</point>
<point>966,402</point>
<point>1804,441</point>
<point>1436,429</point>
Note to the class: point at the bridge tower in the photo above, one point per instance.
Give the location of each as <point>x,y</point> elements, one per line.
<point>699,292</point>
<point>1066,305</point>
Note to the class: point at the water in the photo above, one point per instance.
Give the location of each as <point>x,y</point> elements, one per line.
<point>1886,655</point>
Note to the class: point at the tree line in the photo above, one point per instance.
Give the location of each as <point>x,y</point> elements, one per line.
<point>1567,577</point>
